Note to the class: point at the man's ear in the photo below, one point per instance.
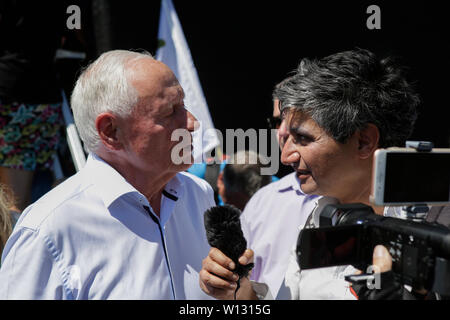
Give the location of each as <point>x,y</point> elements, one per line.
<point>368,139</point>
<point>107,127</point>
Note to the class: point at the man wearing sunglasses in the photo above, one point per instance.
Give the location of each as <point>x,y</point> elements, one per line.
<point>272,235</point>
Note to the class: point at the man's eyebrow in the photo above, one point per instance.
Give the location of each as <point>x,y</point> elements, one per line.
<point>298,129</point>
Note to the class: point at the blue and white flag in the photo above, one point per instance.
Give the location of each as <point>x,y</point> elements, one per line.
<point>174,51</point>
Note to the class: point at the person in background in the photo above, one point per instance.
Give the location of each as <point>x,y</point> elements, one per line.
<point>212,172</point>
<point>30,94</point>
<point>9,214</point>
<point>274,123</point>
<point>241,178</point>
<point>286,206</point>
<point>209,171</point>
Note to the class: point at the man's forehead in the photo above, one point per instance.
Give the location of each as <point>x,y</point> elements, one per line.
<point>296,118</point>
<point>300,116</point>
<point>151,77</point>
<point>294,114</point>
<point>174,92</point>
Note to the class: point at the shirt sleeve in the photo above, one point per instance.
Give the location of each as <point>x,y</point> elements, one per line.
<point>29,269</point>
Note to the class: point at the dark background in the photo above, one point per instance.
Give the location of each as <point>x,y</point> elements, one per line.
<point>241,49</point>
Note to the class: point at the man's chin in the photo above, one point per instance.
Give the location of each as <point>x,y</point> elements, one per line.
<point>186,163</point>
<point>307,187</point>
<point>186,166</point>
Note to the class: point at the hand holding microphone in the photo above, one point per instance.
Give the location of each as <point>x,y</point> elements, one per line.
<point>228,263</point>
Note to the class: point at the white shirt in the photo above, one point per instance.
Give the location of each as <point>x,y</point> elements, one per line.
<point>316,284</point>
<point>271,222</point>
<point>92,238</point>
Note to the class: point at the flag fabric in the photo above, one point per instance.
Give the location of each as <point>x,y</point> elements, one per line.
<point>174,51</point>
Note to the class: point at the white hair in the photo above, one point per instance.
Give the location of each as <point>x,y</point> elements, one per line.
<point>104,86</point>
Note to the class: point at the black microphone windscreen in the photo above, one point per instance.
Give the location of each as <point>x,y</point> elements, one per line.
<point>223,231</point>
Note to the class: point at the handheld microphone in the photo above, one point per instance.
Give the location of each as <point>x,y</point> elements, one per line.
<point>223,231</point>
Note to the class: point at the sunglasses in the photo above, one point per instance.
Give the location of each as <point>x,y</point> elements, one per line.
<point>273,123</point>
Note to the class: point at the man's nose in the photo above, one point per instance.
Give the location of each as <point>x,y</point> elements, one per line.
<point>289,152</point>
<point>192,122</point>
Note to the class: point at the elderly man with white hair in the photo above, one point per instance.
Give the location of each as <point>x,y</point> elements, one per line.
<point>129,225</point>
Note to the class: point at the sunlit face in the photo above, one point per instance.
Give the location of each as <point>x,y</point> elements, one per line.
<point>323,165</point>
<point>147,132</point>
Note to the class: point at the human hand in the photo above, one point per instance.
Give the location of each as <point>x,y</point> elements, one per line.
<point>217,278</point>
<point>381,259</point>
<point>387,287</point>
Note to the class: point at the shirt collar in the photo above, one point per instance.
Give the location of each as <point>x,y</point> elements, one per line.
<point>110,184</point>
<point>290,183</point>
<point>174,188</point>
<point>172,192</point>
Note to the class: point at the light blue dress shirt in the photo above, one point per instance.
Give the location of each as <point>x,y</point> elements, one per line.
<point>270,223</point>
<point>95,237</point>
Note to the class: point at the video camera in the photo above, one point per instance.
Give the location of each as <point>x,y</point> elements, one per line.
<point>420,250</point>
